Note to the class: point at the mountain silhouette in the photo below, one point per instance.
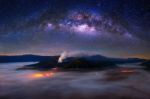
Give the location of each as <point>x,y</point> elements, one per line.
<point>83,62</point>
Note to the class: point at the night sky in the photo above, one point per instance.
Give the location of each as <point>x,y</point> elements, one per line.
<point>115,28</point>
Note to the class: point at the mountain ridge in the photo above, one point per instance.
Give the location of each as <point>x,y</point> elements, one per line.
<point>80,62</point>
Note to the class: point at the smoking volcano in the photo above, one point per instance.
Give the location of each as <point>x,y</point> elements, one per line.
<point>80,61</point>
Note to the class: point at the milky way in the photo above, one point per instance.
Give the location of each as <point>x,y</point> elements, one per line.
<point>117,28</point>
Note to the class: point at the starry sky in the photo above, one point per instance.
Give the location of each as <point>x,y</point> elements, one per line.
<point>115,28</point>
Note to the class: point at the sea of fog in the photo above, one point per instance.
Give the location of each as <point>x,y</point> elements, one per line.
<point>55,84</point>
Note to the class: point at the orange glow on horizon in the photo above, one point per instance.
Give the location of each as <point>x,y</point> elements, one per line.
<point>142,55</point>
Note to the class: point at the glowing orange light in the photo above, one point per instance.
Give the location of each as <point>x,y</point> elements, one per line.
<point>127,71</point>
<point>38,75</point>
<point>43,74</point>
